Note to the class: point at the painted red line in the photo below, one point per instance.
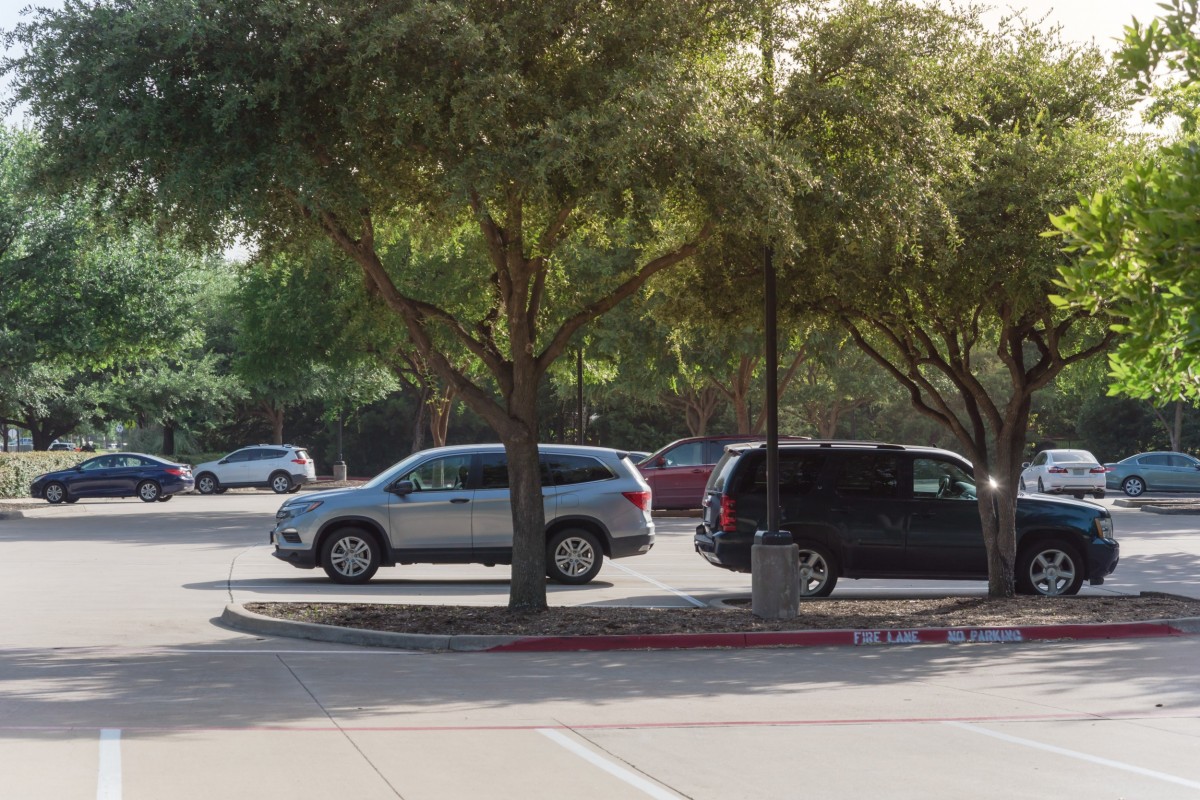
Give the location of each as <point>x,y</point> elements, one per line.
<point>837,638</point>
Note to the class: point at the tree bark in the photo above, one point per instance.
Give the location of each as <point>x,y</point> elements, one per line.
<point>168,441</point>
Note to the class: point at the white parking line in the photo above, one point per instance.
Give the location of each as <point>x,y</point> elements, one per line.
<point>660,584</point>
<point>633,779</point>
<point>1062,751</point>
<point>108,778</point>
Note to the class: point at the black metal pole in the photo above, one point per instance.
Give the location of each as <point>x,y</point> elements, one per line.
<point>772,534</point>
<point>579,392</point>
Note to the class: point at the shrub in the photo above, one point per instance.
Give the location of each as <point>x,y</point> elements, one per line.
<point>17,470</point>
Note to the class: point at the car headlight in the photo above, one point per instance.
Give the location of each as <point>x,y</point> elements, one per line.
<point>295,510</point>
<point>1104,528</point>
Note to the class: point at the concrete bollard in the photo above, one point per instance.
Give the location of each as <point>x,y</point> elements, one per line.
<point>775,581</point>
<point>339,470</point>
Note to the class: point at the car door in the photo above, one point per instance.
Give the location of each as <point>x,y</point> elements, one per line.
<point>125,475</point>
<point>491,516</point>
<point>945,534</point>
<point>234,469</point>
<point>1187,472</point>
<point>434,519</point>
<point>678,476</point>
<point>869,520</point>
<point>1155,470</point>
<point>93,477</point>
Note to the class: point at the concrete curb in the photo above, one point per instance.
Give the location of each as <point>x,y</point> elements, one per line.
<point>238,618</point>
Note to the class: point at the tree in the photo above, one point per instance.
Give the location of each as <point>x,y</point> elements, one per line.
<point>940,151</point>
<point>1134,243</point>
<point>580,148</point>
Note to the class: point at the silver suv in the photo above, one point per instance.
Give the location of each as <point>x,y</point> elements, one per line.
<point>450,505</point>
<point>278,467</point>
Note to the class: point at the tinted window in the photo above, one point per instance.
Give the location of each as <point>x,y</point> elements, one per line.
<point>264,455</point>
<point>1182,461</point>
<point>495,471</point>
<point>798,472</point>
<point>686,455</point>
<point>868,475</point>
<point>1156,460</point>
<point>440,474</point>
<point>240,455</point>
<point>1041,459</point>
<point>568,470</point>
<point>720,474</point>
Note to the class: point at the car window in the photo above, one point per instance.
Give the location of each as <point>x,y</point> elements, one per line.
<point>494,471</point>
<point>1156,460</point>
<point>266,455</point>
<point>302,455</point>
<point>440,474</point>
<point>1183,461</point>
<point>104,462</point>
<point>689,454</point>
<point>1041,459</point>
<point>239,456</point>
<point>720,474</point>
<point>935,478</point>
<point>798,472</point>
<point>868,475</point>
<point>568,470</point>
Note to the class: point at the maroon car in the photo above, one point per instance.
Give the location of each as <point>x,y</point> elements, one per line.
<point>678,472</point>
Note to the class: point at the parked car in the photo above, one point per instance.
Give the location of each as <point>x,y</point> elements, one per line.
<point>867,510</point>
<point>1154,472</point>
<point>450,505</point>
<point>115,475</point>
<point>678,472</point>
<point>279,467</point>
<point>56,445</point>
<point>1075,472</point>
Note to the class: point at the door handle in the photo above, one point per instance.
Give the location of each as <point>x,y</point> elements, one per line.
<point>923,515</point>
<point>460,499</point>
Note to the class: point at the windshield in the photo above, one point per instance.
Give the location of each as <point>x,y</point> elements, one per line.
<point>395,470</point>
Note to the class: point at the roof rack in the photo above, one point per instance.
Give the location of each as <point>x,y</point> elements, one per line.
<point>829,443</point>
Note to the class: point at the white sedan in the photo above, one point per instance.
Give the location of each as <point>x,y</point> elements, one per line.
<point>1074,472</point>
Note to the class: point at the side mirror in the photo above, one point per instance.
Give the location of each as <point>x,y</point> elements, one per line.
<point>1025,465</point>
<point>661,461</point>
<point>402,488</point>
<point>223,461</point>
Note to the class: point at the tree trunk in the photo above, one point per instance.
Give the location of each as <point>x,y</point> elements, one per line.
<point>527,590</point>
<point>441,409</point>
<point>422,417</point>
<point>168,440</point>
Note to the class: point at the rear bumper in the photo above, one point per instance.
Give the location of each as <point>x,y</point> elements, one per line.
<point>723,550</point>
<point>625,546</point>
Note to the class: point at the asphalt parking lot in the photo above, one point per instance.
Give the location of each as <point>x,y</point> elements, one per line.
<point>117,682</point>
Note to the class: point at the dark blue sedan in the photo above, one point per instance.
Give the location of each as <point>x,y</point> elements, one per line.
<point>115,475</point>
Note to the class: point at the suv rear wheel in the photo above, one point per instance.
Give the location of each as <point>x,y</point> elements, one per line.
<point>573,556</point>
<point>350,556</point>
<point>206,483</point>
<point>281,483</point>
<point>1051,568</point>
<point>818,571</point>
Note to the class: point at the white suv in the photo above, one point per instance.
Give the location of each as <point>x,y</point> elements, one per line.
<point>279,467</point>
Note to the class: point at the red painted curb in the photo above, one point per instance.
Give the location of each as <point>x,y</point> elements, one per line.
<point>840,638</point>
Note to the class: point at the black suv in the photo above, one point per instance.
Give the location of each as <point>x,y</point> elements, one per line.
<point>869,510</point>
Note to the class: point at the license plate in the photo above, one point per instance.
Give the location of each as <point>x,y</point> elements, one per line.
<point>1076,472</point>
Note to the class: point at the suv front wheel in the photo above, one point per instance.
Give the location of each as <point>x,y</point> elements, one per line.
<point>573,556</point>
<point>818,571</point>
<point>350,556</point>
<point>1052,569</point>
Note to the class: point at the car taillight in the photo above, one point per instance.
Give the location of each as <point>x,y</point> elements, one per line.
<point>728,519</point>
<point>174,471</point>
<point>639,499</point>
<point>1057,470</point>
<point>299,460</point>
<point>1098,469</point>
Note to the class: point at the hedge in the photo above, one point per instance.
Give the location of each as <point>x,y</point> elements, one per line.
<point>17,470</point>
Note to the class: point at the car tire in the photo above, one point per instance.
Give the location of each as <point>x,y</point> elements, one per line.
<point>70,499</point>
<point>350,555</point>
<point>818,570</point>
<point>280,483</point>
<point>207,483</point>
<point>1079,495</point>
<point>1021,485</point>
<point>1133,486</point>
<point>55,493</point>
<point>573,557</point>
<point>164,498</point>
<point>221,490</point>
<point>1098,495</point>
<point>1041,488</point>
<point>1051,568</point>
<point>294,489</point>
<point>149,491</point>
